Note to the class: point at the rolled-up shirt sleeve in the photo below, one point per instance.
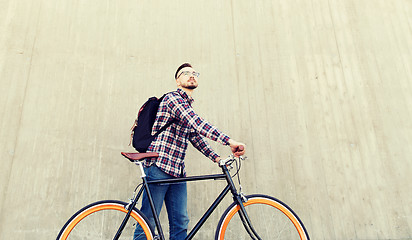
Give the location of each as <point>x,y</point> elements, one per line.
<point>202,145</point>
<point>182,110</point>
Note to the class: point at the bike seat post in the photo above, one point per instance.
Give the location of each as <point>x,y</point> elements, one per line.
<point>143,175</point>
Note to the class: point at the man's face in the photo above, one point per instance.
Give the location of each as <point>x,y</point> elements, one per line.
<point>187,78</point>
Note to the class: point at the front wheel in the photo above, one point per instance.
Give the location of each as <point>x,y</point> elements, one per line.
<point>270,218</point>
<point>101,220</point>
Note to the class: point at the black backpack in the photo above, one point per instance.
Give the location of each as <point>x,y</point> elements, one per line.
<point>142,128</point>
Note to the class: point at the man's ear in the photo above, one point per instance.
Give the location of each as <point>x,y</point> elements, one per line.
<point>178,82</point>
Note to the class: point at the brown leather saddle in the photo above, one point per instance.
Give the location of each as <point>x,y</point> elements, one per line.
<point>139,156</point>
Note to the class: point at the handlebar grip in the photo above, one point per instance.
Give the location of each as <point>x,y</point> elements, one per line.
<point>240,148</point>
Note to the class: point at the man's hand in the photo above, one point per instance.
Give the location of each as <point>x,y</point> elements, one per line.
<point>238,148</point>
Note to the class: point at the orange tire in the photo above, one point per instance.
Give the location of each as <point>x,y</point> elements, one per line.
<point>101,220</point>
<point>270,218</point>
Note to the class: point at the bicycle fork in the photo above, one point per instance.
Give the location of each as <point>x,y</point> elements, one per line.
<point>239,199</point>
<point>246,220</point>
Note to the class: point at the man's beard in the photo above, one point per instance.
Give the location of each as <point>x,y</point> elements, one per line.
<point>191,87</point>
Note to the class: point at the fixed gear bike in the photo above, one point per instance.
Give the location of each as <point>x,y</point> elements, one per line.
<point>254,216</point>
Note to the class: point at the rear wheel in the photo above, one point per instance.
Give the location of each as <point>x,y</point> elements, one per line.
<point>271,218</point>
<point>101,220</point>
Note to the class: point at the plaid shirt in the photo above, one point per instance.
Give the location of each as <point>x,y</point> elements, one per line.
<point>172,143</point>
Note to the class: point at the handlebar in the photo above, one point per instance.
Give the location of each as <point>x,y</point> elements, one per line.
<point>228,161</point>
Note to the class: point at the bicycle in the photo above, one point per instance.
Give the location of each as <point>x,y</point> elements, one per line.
<point>254,216</point>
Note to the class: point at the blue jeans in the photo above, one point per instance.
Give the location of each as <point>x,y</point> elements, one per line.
<point>175,198</point>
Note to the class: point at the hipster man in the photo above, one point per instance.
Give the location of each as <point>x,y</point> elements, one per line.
<point>171,145</point>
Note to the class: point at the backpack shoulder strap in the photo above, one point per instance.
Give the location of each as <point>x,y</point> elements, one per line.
<point>164,128</point>
<point>167,124</point>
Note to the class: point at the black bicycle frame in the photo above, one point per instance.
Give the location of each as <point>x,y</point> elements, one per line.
<point>229,187</point>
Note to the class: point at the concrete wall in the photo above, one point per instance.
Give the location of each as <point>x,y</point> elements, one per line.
<point>320,91</point>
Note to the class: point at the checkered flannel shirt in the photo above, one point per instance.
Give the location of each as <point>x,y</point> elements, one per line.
<point>172,143</point>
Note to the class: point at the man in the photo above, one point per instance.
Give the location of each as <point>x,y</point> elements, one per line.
<point>171,145</point>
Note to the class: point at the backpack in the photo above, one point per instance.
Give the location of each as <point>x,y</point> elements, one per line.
<point>141,135</point>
